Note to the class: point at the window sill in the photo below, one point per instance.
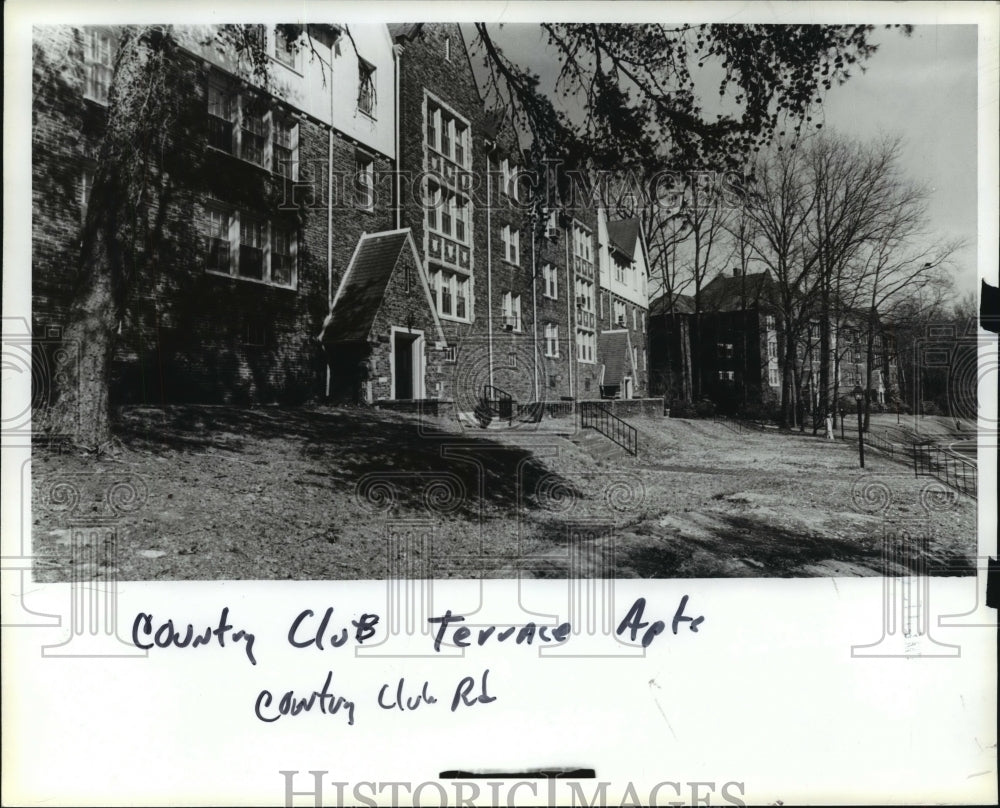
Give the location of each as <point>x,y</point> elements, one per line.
<point>371,117</point>
<point>290,67</point>
<point>215,273</point>
<point>453,319</point>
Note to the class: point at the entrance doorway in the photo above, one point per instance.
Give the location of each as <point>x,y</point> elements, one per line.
<point>407,365</point>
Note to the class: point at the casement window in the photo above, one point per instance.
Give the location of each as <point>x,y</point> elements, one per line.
<point>773,378</point>
<point>245,246</point>
<point>511,311</point>
<point>451,294</point>
<point>586,341</point>
<point>366,88</point>
<point>447,134</point>
<point>285,49</point>
<point>772,349</point>
<point>364,183</point>
<point>552,340</point>
<point>619,314</point>
<point>619,271</point>
<point>241,124</point>
<point>550,279</point>
<point>726,375</point>
<point>99,50</point>
<point>511,241</point>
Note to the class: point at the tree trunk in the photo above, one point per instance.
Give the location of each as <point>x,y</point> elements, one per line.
<point>81,412</point>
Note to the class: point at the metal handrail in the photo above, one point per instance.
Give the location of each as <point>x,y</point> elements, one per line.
<point>953,470</point>
<point>879,442</point>
<point>596,416</point>
<point>499,401</point>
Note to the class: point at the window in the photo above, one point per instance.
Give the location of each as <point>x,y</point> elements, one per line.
<point>282,255</point>
<point>724,350</point>
<point>221,117</point>
<point>585,295</point>
<point>364,181</point>
<point>447,48</point>
<point>366,87</point>
<point>253,130</point>
<point>283,151</point>
<point>285,49</point>
<point>508,179</point>
<point>511,311</point>
<point>267,251</point>
<point>451,354</point>
<point>773,378</point>
<point>448,213</point>
<point>251,263</point>
<point>451,293</point>
<point>447,134</point>
<point>552,340</point>
<point>217,233</point>
<point>585,342</point>
<point>726,375</point>
<point>512,360</point>
<point>635,323</point>
<point>550,279</point>
<point>581,244</point>
<point>635,357</point>
<point>619,318</point>
<point>242,124</point>
<point>255,333</point>
<point>772,349</point>
<point>619,271</point>
<point>769,322</point>
<point>511,240</point>
<point>98,50</point>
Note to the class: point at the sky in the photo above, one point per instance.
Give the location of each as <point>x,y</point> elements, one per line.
<point>922,87</point>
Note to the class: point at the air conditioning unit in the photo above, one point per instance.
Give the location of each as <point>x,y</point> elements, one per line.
<point>509,322</point>
<point>581,300</point>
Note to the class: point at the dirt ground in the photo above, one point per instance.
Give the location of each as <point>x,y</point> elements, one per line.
<point>198,492</point>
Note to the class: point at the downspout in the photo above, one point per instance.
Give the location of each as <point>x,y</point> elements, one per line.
<point>571,337</point>
<point>489,261</point>
<point>534,306</point>
<point>329,206</point>
<point>397,51</point>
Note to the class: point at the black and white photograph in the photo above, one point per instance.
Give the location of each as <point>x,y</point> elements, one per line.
<point>663,315</point>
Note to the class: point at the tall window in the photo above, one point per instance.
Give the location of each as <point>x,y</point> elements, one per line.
<point>251,263</point>
<point>619,316</point>
<point>283,146</point>
<point>772,349</point>
<point>366,87</point>
<point>585,342</point>
<point>282,255</point>
<point>448,213</point>
<point>512,311</point>
<point>253,134</point>
<point>508,178</point>
<point>221,117</point>
<point>364,188</point>
<point>552,340</point>
<point>585,294</point>
<point>582,248</point>
<point>217,234</point>
<point>550,277</point>
<point>511,240</point>
<point>98,50</point>
<point>772,378</point>
<point>85,187</point>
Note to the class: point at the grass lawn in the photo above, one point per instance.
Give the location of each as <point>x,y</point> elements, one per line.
<point>320,493</point>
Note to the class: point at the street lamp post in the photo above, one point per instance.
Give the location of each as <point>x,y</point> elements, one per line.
<point>858,394</point>
<point>842,414</point>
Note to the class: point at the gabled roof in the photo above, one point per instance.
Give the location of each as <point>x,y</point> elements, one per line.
<point>683,304</point>
<point>736,292</point>
<point>404,30</point>
<point>364,284</point>
<point>613,351</point>
<point>624,235</point>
